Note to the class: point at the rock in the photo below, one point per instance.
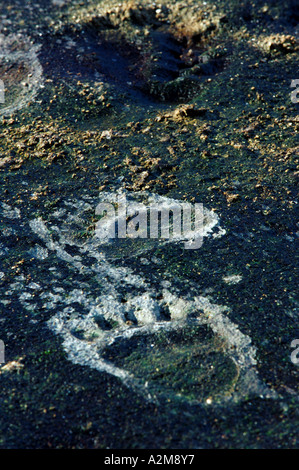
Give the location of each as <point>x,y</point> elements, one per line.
<point>279,43</point>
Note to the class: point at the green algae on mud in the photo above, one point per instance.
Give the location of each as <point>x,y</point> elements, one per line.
<point>186,363</point>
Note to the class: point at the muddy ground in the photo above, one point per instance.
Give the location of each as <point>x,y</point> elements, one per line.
<point>141,344</point>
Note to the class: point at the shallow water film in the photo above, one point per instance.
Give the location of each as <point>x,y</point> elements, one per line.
<point>149,224</point>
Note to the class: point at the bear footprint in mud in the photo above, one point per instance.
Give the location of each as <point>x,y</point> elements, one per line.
<point>135,51</point>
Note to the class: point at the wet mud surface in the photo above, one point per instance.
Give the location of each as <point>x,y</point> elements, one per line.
<point>142,343</point>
